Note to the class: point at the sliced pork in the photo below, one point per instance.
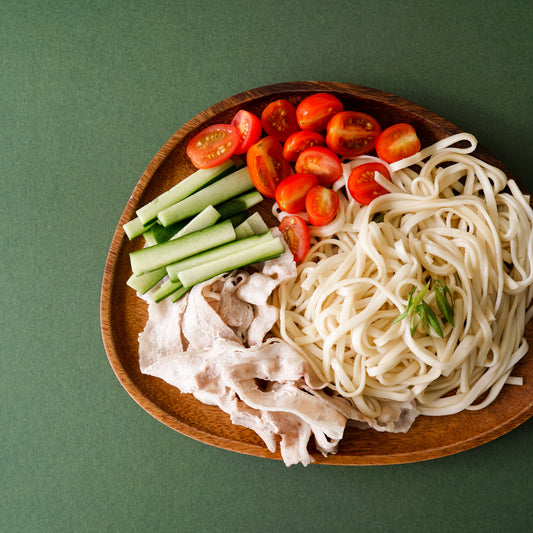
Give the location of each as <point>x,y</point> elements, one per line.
<point>211,343</point>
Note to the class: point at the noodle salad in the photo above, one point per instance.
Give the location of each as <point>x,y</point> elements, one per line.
<point>398,281</point>
<point>449,226</point>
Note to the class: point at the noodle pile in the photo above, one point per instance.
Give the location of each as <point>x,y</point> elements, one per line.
<point>449,216</point>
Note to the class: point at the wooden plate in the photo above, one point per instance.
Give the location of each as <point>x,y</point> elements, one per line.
<point>123,315</point>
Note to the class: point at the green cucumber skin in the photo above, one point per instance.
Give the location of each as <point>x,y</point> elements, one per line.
<point>256,222</point>
<point>236,207</point>
<point>240,203</point>
<point>135,227</point>
<point>154,257</point>
<point>144,282</point>
<point>256,254</point>
<point>162,234</point>
<point>178,293</point>
<point>244,230</point>
<point>222,190</point>
<point>182,190</point>
<point>208,217</point>
<point>167,288</point>
<point>216,253</point>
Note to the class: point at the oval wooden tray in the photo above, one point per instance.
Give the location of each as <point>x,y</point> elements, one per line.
<point>123,315</point>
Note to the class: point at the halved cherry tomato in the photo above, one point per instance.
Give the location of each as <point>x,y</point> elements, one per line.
<point>314,112</point>
<point>362,185</point>
<point>291,192</point>
<point>397,142</point>
<point>321,205</point>
<point>299,141</point>
<point>213,145</point>
<point>351,133</point>
<point>266,165</point>
<point>279,119</point>
<point>249,127</point>
<point>296,235</point>
<point>322,163</point>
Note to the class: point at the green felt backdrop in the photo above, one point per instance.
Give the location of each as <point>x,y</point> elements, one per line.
<point>89,91</point>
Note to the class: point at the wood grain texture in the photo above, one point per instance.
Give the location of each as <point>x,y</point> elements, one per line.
<point>123,315</point>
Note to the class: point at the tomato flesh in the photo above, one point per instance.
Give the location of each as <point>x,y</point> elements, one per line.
<point>397,142</point>
<point>291,192</point>
<point>352,133</point>
<point>250,129</point>
<point>321,205</point>
<point>299,141</point>
<point>266,165</point>
<point>279,119</point>
<point>322,163</point>
<point>213,145</point>
<point>362,184</point>
<point>314,111</point>
<point>296,234</point>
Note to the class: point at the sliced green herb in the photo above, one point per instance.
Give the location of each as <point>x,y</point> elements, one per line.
<point>407,308</point>
<point>420,311</point>
<point>444,299</point>
<point>430,319</point>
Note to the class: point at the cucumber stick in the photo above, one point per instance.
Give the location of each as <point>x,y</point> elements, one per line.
<point>182,190</point>
<point>144,282</point>
<point>161,234</point>
<point>224,189</point>
<point>216,253</point>
<point>202,220</point>
<point>166,289</point>
<point>149,239</point>
<point>238,204</point>
<point>135,227</point>
<point>261,252</point>
<point>244,230</point>
<point>178,293</point>
<point>154,257</point>
<point>257,224</point>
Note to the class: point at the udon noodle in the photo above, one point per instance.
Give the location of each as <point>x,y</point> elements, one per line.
<point>448,216</point>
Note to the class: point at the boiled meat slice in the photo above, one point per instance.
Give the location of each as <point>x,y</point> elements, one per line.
<point>211,343</point>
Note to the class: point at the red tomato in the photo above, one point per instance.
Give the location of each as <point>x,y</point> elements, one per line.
<point>213,145</point>
<point>322,163</point>
<point>290,193</point>
<point>351,133</point>
<point>296,235</point>
<point>249,127</point>
<point>397,142</point>
<point>266,165</point>
<point>314,112</point>
<point>321,205</point>
<point>279,119</point>
<point>362,185</point>
<point>299,141</point>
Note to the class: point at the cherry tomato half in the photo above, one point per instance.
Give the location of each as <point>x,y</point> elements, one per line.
<point>314,112</point>
<point>351,133</point>
<point>299,141</point>
<point>279,119</point>
<point>213,145</point>
<point>250,129</point>
<point>321,205</point>
<point>291,192</point>
<point>322,163</point>
<point>397,142</point>
<point>362,185</point>
<point>266,165</point>
<point>296,234</point>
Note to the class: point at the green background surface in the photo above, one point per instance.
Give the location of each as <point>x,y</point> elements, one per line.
<point>89,92</point>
